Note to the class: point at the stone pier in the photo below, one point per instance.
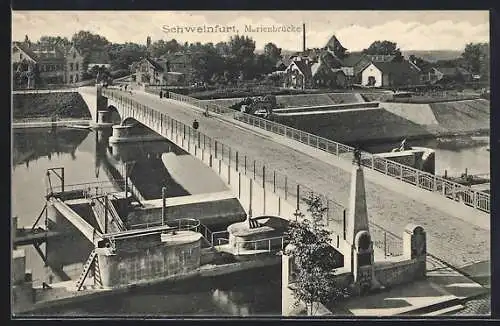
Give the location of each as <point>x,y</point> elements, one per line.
<point>123,134</point>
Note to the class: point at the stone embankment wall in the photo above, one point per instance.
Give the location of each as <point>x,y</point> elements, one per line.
<point>46,105</point>
<point>396,121</point>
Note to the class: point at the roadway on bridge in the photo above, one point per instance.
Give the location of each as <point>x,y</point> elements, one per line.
<point>391,204</point>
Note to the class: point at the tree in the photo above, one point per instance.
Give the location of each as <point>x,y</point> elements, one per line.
<point>52,41</point>
<point>263,65</point>
<point>222,48</point>
<point>241,49</point>
<point>160,48</point>
<point>476,58</point>
<point>384,48</point>
<point>272,52</point>
<point>206,62</point>
<point>314,259</point>
<point>123,55</point>
<point>87,42</point>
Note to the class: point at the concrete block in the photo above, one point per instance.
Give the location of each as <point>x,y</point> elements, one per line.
<point>18,266</point>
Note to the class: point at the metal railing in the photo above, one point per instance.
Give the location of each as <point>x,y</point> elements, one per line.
<point>106,211</point>
<point>421,179</point>
<point>273,244</point>
<point>185,224</point>
<point>273,181</point>
<point>44,91</point>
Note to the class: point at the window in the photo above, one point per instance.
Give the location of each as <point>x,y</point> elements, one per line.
<point>371,81</point>
<point>20,56</point>
<point>123,275</point>
<point>76,66</point>
<point>70,79</point>
<point>71,66</point>
<point>76,78</point>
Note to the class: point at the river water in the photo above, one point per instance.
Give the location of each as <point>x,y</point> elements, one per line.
<point>84,158</point>
<point>451,157</point>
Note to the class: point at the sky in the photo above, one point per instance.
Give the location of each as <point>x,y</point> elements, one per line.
<point>356,30</point>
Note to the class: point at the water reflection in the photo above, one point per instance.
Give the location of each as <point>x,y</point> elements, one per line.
<point>142,165</point>
<point>32,144</point>
<point>248,293</point>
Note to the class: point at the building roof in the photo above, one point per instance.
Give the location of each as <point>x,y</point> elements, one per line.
<point>303,67</point>
<point>351,59</point>
<point>380,57</point>
<point>330,59</point>
<point>155,64</point>
<point>335,45</point>
<point>26,50</point>
<point>45,52</point>
<point>396,68</point>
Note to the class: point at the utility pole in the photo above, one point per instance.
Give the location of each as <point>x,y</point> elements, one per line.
<point>163,210</point>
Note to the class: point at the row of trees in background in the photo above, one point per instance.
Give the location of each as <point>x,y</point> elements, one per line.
<point>224,62</point>
<point>236,59</point>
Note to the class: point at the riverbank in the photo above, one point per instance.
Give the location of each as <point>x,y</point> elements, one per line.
<point>44,106</point>
<point>44,123</point>
<point>442,140</point>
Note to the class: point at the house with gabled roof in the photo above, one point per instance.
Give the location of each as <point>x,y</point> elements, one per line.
<point>328,72</point>
<point>298,74</point>
<point>390,74</point>
<point>54,64</point>
<point>150,72</point>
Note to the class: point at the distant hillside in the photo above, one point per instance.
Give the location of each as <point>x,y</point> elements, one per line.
<point>284,52</point>
<point>433,56</point>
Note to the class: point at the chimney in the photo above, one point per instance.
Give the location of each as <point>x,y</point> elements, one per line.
<point>303,37</point>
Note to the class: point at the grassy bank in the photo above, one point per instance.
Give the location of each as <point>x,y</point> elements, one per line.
<point>43,106</point>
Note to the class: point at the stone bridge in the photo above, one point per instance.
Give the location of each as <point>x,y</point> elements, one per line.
<point>271,168</point>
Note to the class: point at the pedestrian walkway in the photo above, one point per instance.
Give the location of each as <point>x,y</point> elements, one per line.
<point>443,288</point>
<point>456,233</point>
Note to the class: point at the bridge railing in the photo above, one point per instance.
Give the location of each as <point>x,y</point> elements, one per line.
<point>273,180</point>
<point>421,179</point>
<point>470,197</point>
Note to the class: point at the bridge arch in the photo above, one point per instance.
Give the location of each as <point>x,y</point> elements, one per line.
<point>114,114</point>
<point>129,121</point>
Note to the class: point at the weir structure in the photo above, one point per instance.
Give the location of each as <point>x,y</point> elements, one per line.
<point>124,254</point>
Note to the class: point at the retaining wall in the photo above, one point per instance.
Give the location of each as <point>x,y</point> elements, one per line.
<point>146,258</point>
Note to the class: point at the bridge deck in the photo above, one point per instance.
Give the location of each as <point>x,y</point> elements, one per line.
<point>455,233</point>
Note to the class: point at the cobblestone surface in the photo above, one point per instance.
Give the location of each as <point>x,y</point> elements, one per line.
<point>476,307</point>
<point>449,238</point>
